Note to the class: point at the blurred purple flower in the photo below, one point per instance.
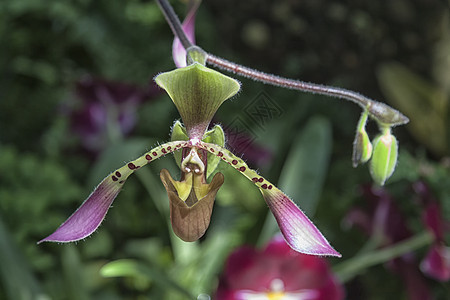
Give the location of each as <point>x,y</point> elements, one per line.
<point>436,263</point>
<point>106,111</point>
<point>383,220</point>
<point>277,272</point>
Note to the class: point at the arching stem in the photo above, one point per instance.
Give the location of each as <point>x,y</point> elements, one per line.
<point>381,112</point>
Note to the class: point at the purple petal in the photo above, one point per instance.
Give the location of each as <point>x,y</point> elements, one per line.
<point>89,215</point>
<point>178,51</point>
<point>437,263</point>
<point>299,232</point>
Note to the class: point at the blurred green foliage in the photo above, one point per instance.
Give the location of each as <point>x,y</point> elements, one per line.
<point>47,46</point>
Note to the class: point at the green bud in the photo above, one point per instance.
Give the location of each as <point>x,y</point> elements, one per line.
<point>384,158</point>
<point>362,148</point>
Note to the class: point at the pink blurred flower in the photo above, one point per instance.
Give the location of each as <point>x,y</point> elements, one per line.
<point>277,272</point>
<point>106,108</point>
<point>178,51</point>
<point>436,263</point>
<point>383,220</point>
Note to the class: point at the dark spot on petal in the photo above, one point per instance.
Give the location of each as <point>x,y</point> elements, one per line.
<point>164,151</point>
<point>114,178</point>
<point>212,150</point>
<point>234,162</point>
<point>261,179</point>
<point>270,187</point>
<point>122,181</point>
<point>254,179</point>
<point>154,153</point>
<point>242,169</point>
<point>148,157</point>
<point>220,154</point>
<point>118,174</point>
<point>131,166</point>
<point>264,186</point>
<point>169,148</point>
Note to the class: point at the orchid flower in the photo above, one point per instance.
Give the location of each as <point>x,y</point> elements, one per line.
<point>197,92</point>
<point>277,272</point>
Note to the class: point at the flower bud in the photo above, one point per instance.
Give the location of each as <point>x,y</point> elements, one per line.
<point>362,148</point>
<point>384,158</point>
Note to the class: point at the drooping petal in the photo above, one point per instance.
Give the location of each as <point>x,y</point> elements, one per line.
<point>437,263</point>
<point>190,213</point>
<point>90,214</point>
<point>299,232</point>
<point>178,51</point>
<point>197,92</point>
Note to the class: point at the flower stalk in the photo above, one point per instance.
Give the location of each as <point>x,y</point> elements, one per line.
<point>380,112</point>
<point>352,267</point>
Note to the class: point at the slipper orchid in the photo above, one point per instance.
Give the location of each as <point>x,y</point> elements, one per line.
<point>197,92</point>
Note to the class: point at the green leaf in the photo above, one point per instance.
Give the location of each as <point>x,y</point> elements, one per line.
<point>115,156</point>
<point>425,104</point>
<point>136,269</point>
<point>75,281</point>
<point>17,280</point>
<point>305,169</point>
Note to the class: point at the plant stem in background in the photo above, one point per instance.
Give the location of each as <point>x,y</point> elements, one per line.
<point>353,266</point>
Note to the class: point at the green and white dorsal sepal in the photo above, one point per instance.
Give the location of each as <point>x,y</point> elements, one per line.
<point>197,92</point>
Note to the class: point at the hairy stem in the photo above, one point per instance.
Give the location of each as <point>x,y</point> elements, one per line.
<point>381,112</point>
